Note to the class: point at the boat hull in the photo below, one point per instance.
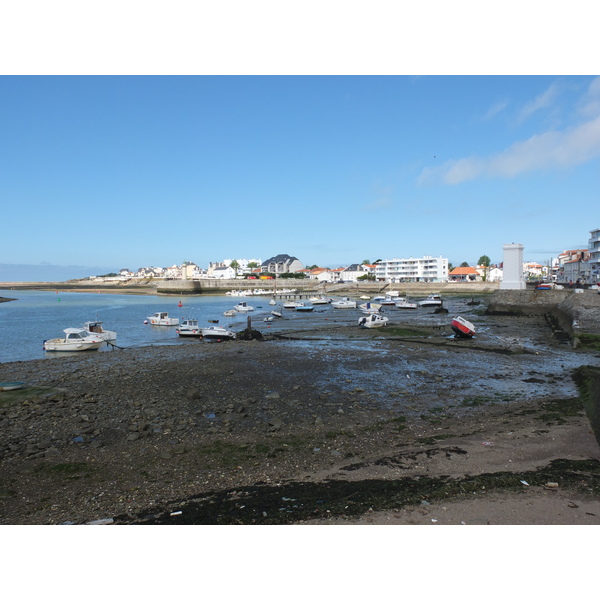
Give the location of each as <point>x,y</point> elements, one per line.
<point>462,327</point>
<point>60,345</point>
<point>217,334</point>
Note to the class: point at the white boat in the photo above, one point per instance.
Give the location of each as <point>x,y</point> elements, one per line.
<point>319,300</point>
<point>365,297</point>
<point>243,307</point>
<point>388,301</point>
<point>431,300</point>
<point>76,339</point>
<point>217,333</point>
<point>230,313</point>
<point>269,319</point>
<point>162,318</point>
<point>96,328</point>
<point>189,328</point>
<point>405,303</point>
<point>344,303</point>
<point>370,308</point>
<point>373,320</point>
<point>304,307</point>
<point>292,304</point>
<point>272,302</point>
<point>276,313</point>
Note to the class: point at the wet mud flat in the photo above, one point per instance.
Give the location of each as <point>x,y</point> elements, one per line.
<point>321,423</point>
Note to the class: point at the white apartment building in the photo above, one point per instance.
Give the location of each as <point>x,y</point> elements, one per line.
<point>425,269</point>
<point>594,250</point>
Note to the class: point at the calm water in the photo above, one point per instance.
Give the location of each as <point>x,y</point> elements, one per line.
<point>36,316</point>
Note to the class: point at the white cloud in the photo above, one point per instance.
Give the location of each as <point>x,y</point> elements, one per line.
<point>495,109</point>
<point>553,149</point>
<point>543,100</point>
<point>590,103</point>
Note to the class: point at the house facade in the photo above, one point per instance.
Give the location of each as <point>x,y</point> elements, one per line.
<point>594,250</point>
<point>282,263</point>
<point>464,274</point>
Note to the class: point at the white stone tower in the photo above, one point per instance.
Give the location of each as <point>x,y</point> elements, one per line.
<point>512,278</point>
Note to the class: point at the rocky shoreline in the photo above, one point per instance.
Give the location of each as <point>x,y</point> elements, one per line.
<point>356,428</point>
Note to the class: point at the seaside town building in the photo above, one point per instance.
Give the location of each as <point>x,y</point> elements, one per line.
<point>594,260</point>
<point>282,263</point>
<point>425,269</point>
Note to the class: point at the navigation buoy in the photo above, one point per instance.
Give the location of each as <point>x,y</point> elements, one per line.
<point>180,304</point>
<point>145,322</point>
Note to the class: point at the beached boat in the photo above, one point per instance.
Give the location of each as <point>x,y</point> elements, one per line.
<point>292,304</point>
<point>405,303</point>
<point>370,308</point>
<point>462,327</point>
<point>243,307</point>
<point>76,339</point>
<point>162,318</point>
<point>431,300</point>
<point>96,328</point>
<point>319,300</point>
<point>189,328</point>
<point>276,313</point>
<point>7,386</point>
<point>388,301</point>
<point>304,307</point>
<point>344,303</point>
<point>373,320</point>
<point>269,319</point>
<point>217,333</point>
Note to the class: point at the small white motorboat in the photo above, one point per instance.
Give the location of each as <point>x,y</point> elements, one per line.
<point>96,328</point>
<point>388,301</point>
<point>230,313</point>
<point>292,304</point>
<point>276,313</point>
<point>370,307</point>
<point>406,303</point>
<point>217,333</point>
<point>304,307</point>
<point>272,302</point>
<point>243,307</point>
<point>319,300</point>
<point>76,339</point>
<point>431,300</point>
<point>189,328</point>
<point>344,303</point>
<point>162,318</point>
<point>269,319</point>
<point>462,327</point>
<point>373,320</point>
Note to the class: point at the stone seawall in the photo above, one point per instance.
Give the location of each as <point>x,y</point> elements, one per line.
<point>578,314</point>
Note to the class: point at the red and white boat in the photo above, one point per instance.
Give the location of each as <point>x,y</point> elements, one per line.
<point>462,327</point>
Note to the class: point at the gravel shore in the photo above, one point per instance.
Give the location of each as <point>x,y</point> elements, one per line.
<point>353,427</point>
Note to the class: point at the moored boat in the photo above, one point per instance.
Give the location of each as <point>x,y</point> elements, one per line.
<point>370,307</point>
<point>431,300</point>
<point>292,304</point>
<point>344,303</point>
<point>96,328</point>
<point>304,307</point>
<point>462,327</point>
<point>217,333</point>
<point>373,320</point>
<point>405,303</point>
<point>162,318</point>
<point>189,328</point>
<point>319,300</point>
<point>76,339</point>
<point>243,307</point>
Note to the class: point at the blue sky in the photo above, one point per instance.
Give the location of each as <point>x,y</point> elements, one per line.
<point>101,172</point>
<point>113,172</point>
